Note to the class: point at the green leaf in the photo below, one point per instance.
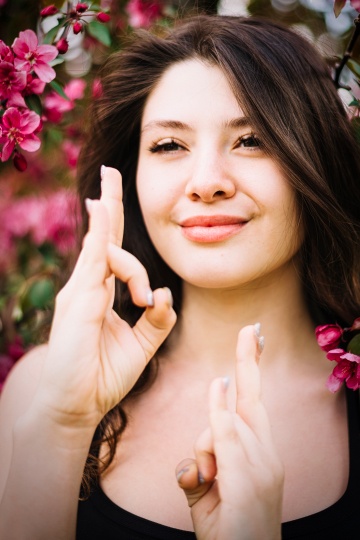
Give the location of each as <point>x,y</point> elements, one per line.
<point>338,5</point>
<point>57,61</point>
<point>41,293</point>
<point>96,8</point>
<point>354,345</point>
<point>51,34</point>
<point>59,89</point>
<point>100,32</point>
<point>34,103</point>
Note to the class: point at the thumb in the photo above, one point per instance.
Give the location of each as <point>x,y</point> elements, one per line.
<point>191,481</point>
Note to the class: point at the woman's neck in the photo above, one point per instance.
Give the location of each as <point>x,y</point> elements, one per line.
<point>211,319</point>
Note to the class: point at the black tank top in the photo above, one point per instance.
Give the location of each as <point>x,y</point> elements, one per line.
<point>101,519</point>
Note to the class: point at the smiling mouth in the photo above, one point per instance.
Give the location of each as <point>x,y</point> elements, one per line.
<point>210,229</point>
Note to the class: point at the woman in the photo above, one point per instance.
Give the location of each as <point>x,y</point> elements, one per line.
<point>227,134</point>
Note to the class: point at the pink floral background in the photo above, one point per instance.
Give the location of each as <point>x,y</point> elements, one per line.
<point>49,58</point>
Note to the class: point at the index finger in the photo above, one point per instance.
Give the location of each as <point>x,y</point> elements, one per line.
<point>111,197</point>
<point>249,405</point>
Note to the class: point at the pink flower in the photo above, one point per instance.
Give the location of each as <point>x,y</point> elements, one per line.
<point>103,17</point>
<point>6,54</point>
<point>21,216</point>
<point>33,86</point>
<point>55,105</point>
<point>72,152</point>
<point>355,4</point>
<point>142,13</point>
<point>48,11</point>
<point>328,336</point>
<point>18,128</point>
<point>12,82</point>
<point>346,370</point>
<point>31,56</point>
<point>62,46</point>
<point>57,223</point>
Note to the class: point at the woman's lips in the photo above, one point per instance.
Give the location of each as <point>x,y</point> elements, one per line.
<point>207,229</point>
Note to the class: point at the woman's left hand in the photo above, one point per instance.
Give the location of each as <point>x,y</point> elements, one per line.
<point>235,485</point>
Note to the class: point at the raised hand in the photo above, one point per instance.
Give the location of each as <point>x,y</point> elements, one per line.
<point>234,486</point>
<point>94,357</point>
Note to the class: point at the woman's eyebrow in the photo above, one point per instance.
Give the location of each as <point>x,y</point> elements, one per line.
<point>236,123</point>
<point>173,124</point>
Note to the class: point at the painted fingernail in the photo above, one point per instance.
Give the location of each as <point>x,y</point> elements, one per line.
<point>150,298</point>
<point>170,296</point>
<point>226,382</point>
<point>180,473</point>
<point>261,343</point>
<point>88,205</point>
<point>257,329</point>
<point>102,171</point>
<point>201,479</point>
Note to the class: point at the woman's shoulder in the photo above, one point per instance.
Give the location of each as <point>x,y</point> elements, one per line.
<point>23,379</point>
<point>16,396</point>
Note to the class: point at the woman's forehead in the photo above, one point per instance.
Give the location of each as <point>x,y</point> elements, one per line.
<point>189,91</point>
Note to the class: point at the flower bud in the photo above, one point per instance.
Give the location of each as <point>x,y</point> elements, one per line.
<point>48,10</point>
<point>81,7</point>
<point>77,27</point>
<point>62,46</point>
<point>20,162</point>
<point>103,17</point>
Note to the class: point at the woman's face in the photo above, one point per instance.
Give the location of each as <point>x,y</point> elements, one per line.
<point>217,208</point>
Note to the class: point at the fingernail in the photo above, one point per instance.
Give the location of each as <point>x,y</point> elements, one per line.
<point>201,479</point>
<point>261,343</point>
<point>180,473</point>
<point>150,298</point>
<point>102,171</point>
<point>257,329</point>
<point>88,205</point>
<point>170,296</point>
<point>226,382</point>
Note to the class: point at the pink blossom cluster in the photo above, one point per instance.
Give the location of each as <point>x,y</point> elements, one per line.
<point>52,219</point>
<point>24,71</point>
<point>341,346</point>
<point>75,18</point>
<point>142,13</point>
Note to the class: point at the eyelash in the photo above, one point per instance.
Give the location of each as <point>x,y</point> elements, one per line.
<point>172,146</point>
<point>156,147</point>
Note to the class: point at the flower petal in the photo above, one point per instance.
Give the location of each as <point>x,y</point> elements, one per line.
<point>7,150</point>
<point>333,383</point>
<point>44,71</point>
<point>47,52</point>
<point>31,143</point>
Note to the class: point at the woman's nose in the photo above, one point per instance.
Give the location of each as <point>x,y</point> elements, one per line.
<point>210,181</point>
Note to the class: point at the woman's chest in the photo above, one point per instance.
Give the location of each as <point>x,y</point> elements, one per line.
<point>313,445</point>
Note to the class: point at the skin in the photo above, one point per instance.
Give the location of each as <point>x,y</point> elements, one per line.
<point>55,396</point>
<point>211,164</point>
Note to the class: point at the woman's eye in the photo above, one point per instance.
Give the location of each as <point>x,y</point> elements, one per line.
<point>165,147</point>
<point>249,141</point>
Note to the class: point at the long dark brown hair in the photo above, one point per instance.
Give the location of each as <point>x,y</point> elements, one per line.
<point>286,88</point>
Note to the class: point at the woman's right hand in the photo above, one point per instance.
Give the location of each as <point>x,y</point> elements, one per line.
<point>94,357</point>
